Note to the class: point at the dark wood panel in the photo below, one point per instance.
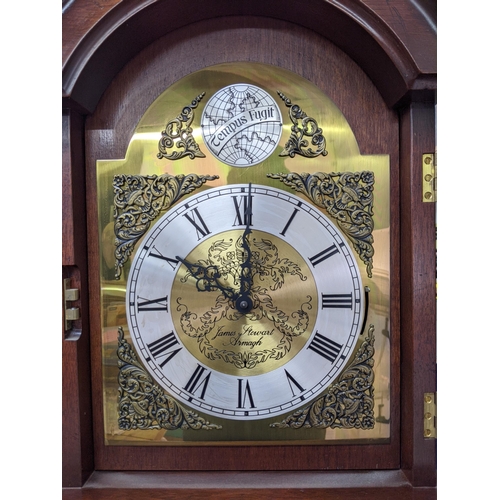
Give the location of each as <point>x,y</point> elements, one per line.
<point>73,189</point>
<point>92,61</point>
<point>376,485</point>
<point>415,25</point>
<point>77,443</point>
<point>403,493</point>
<point>418,297</point>
<point>79,17</point>
<point>109,131</point>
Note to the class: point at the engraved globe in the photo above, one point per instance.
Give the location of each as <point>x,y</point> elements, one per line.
<point>241,125</point>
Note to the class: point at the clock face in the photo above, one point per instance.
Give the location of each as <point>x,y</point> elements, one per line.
<point>240,235</point>
<point>244,302</point>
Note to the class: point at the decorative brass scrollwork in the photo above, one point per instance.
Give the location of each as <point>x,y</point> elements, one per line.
<point>144,405</point>
<point>348,403</point>
<point>180,128</point>
<point>308,127</point>
<point>139,200</point>
<point>276,327</point>
<point>347,198</point>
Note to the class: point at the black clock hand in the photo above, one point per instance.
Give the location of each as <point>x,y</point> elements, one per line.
<point>207,278</point>
<point>244,302</point>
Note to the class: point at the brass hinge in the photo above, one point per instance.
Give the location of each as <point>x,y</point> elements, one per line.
<point>429,177</point>
<point>70,313</point>
<point>430,417</point>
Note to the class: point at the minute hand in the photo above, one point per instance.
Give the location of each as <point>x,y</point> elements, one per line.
<point>246,266</point>
<point>244,302</point>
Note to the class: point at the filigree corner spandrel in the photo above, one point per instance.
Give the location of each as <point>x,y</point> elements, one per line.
<point>348,199</point>
<point>348,403</point>
<point>306,137</point>
<point>139,200</point>
<point>144,405</point>
<point>179,134</point>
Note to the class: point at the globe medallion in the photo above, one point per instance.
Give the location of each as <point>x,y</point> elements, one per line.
<point>241,125</point>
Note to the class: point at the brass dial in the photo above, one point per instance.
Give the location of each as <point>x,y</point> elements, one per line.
<point>244,314</point>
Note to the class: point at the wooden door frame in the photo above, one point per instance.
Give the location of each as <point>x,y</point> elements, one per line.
<point>396,48</point>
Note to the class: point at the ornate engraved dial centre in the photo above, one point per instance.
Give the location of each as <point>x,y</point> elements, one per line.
<point>265,329</point>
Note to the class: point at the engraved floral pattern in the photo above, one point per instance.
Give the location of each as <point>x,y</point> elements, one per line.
<point>348,403</point>
<point>139,200</point>
<point>142,404</point>
<point>269,273</point>
<point>305,133</point>
<point>179,129</point>
<point>347,198</point>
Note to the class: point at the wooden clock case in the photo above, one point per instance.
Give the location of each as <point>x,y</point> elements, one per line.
<point>371,57</point>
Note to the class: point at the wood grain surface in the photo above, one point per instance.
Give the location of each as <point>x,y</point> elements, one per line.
<point>395,42</point>
<point>376,61</point>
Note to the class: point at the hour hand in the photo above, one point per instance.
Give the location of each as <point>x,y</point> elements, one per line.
<point>207,278</point>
